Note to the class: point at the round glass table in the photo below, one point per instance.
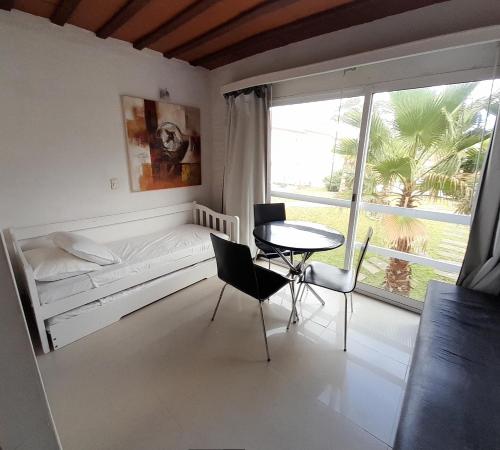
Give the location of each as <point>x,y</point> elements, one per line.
<point>303,238</point>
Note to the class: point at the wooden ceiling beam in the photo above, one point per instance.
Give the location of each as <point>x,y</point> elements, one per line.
<point>175,22</point>
<point>7,5</point>
<point>63,11</point>
<point>344,16</point>
<point>226,27</point>
<point>122,16</point>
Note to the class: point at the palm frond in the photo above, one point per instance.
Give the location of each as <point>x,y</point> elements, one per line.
<point>419,118</point>
<point>348,147</point>
<point>474,157</point>
<point>436,184</point>
<point>391,170</point>
<point>404,233</point>
<point>455,95</point>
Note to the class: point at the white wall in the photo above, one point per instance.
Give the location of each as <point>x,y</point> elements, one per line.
<point>25,418</point>
<point>62,135</point>
<point>448,17</point>
<point>61,140</point>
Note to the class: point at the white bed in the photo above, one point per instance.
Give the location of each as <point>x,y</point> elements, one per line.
<point>167,250</point>
<point>162,250</point>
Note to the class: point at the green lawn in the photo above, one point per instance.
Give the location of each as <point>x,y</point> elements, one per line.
<point>441,243</point>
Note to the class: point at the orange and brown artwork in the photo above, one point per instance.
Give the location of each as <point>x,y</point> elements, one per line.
<point>163,143</point>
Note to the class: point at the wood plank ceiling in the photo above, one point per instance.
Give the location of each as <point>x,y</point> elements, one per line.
<point>212,33</point>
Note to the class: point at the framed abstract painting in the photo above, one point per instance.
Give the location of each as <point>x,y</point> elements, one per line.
<point>163,144</point>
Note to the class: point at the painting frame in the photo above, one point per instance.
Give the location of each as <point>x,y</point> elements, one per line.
<point>163,144</point>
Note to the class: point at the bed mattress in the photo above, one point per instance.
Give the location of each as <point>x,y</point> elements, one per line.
<point>187,243</point>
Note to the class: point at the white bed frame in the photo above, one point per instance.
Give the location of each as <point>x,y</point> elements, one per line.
<point>110,228</point>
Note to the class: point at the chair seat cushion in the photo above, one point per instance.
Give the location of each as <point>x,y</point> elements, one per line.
<point>269,282</point>
<point>329,277</point>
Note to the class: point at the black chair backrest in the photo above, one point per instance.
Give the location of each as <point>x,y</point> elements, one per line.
<point>235,265</point>
<point>268,212</point>
<point>362,254</point>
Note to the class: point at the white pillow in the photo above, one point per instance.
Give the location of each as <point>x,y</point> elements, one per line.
<point>52,264</point>
<point>84,248</point>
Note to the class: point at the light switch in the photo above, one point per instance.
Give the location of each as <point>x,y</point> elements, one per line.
<point>113,183</point>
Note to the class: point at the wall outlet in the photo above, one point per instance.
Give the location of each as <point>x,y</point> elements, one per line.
<point>113,182</point>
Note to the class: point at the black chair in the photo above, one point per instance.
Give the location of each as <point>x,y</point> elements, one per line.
<point>335,279</point>
<point>235,267</point>
<point>265,213</point>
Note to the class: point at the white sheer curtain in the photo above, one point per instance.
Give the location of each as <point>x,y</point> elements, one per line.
<point>481,266</point>
<point>247,141</point>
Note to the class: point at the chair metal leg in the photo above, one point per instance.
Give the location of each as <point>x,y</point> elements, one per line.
<point>352,308</point>
<point>345,323</point>
<point>300,292</point>
<point>269,259</point>
<point>303,291</point>
<point>218,303</point>
<point>316,295</point>
<point>295,304</point>
<point>293,314</point>
<point>264,329</point>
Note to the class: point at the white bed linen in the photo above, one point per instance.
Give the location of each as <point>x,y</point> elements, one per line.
<point>52,291</point>
<point>138,254</point>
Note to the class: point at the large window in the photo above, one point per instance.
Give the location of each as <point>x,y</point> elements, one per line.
<point>412,158</point>
<point>311,166</point>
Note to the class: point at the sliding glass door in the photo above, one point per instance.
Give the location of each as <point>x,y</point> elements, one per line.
<point>405,162</point>
<point>313,165</point>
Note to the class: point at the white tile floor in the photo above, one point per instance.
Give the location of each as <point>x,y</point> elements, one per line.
<point>166,377</point>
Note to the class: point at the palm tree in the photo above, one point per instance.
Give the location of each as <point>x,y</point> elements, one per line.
<point>424,143</point>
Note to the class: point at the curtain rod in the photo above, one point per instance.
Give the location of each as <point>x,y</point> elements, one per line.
<point>466,38</point>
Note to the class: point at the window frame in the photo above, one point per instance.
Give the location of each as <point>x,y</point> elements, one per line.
<point>355,204</point>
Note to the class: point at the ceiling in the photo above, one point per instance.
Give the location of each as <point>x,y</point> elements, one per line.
<point>212,33</point>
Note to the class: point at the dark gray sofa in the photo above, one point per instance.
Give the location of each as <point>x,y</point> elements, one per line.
<point>452,399</point>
